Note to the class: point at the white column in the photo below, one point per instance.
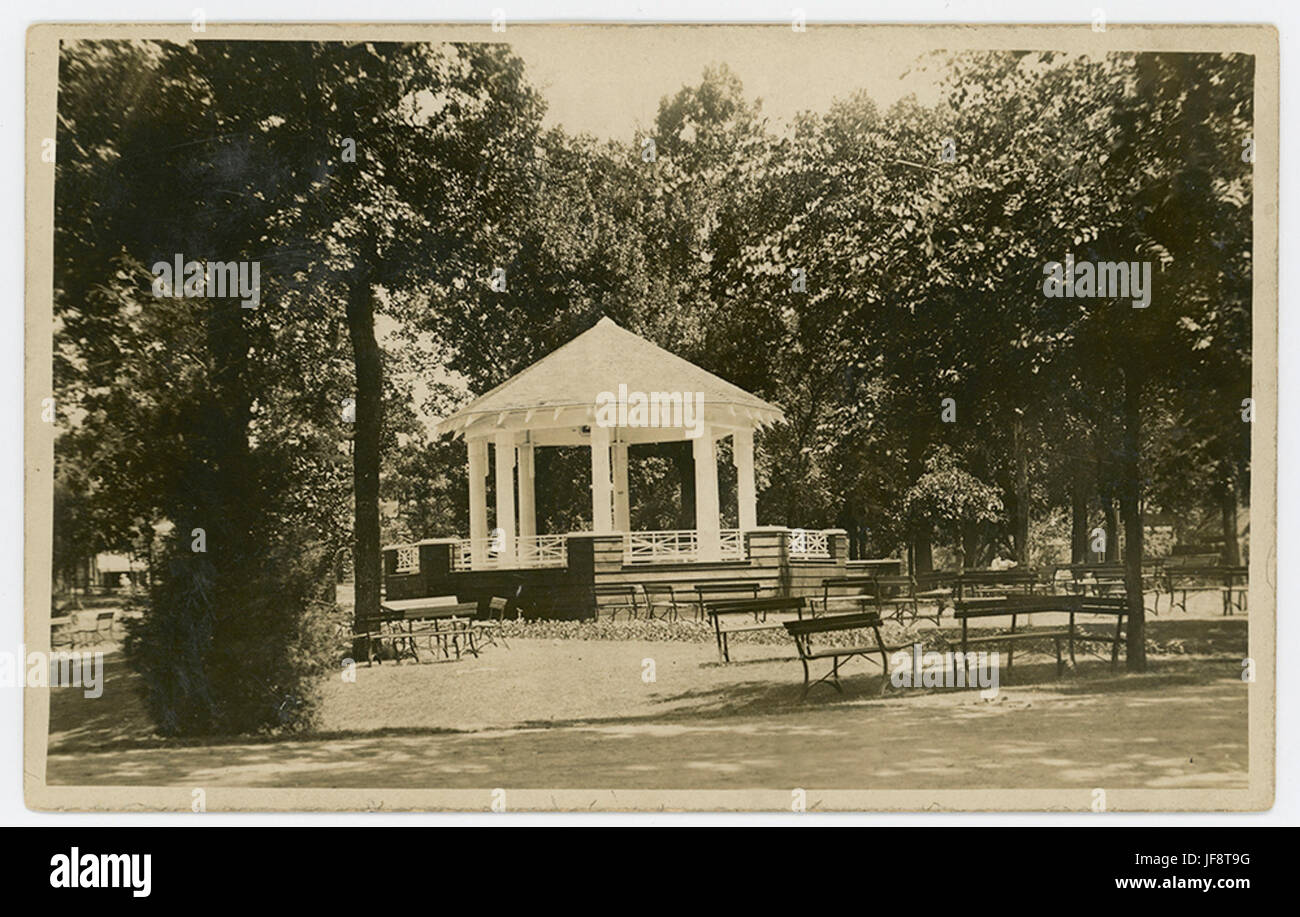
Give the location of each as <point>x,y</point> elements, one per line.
<point>706,495</point>
<point>601,489</point>
<point>478,530</point>
<point>527,500</point>
<point>505,456</point>
<point>622,512</point>
<point>742,450</point>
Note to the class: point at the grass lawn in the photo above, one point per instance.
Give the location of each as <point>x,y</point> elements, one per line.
<point>578,713</point>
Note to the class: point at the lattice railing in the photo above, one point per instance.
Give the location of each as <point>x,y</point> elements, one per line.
<point>530,551</point>
<point>677,546</point>
<point>408,559</point>
<point>808,544</point>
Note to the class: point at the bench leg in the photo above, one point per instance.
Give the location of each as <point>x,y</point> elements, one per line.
<point>1074,664</point>
<point>1060,663</point>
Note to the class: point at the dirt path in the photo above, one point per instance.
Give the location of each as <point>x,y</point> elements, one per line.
<point>580,714</point>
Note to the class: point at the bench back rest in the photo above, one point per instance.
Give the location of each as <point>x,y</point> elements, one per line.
<point>663,589</point>
<point>374,622</point>
<point>894,581</point>
<point>1083,571</point>
<point>755,606</point>
<point>624,589</point>
<point>750,588</point>
<point>848,582</point>
<point>935,579</point>
<point>831,623</point>
<point>1108,603</point>
<point>1180,561</point>
<point>1022,578</point>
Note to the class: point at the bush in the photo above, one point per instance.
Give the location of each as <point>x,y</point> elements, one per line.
<point>235,641</point>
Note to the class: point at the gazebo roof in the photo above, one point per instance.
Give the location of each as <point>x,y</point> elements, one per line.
<point>561,389</point>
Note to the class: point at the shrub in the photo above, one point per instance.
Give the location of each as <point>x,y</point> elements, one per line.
<point>235,641</point>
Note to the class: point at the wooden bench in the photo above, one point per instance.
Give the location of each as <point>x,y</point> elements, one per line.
<point>882,590</point>
<point>1099,579</point>
<point>759,609</point>
<point>899,591</point>
<point>663,595</point>
<point>865,584</point>
<point>624,592</point>
<point>936,586</point>
<point>803,631</point>
<point>975,583</point>
<point>727,589</point>
<point>1233,583</point>
<point>1016,606</point>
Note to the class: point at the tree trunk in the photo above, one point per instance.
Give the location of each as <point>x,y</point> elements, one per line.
<point>970,545</point>
<point>1228,511</point>
<point>1079,520</point>
<point>1131,509</point>
<point>368,363</point>
<point>923,557</point>
<point>1020,534</point>
<point>1111,554</point>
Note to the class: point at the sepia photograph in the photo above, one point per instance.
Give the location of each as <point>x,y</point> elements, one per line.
<point>562,417</point>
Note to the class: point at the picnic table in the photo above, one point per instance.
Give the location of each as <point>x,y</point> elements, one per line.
<point>1015,606</point>
<point>441,621</point>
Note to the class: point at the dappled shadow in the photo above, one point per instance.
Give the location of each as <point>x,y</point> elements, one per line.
<point>1180,736</point>
<point>117,715</point>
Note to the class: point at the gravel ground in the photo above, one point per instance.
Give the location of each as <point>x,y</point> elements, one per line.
<point>585,713</point>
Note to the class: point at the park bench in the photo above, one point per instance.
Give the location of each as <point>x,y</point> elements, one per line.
<point>884,590</point>
<point>727,589</point>
<point>662,595</point>
<point>442,624</point>
<point>1097,579</point>
<point>1015,606</point>
<point>977,583</point>
<point>758,609</point>
<point>864,592</point>
<point>899,590</point>
<point>936,586</point>
<point>624,595</point>
<point>804,630</point>
<point>1233,583</point>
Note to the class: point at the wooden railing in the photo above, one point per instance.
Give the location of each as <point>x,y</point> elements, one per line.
<point>678,546</point>
<point>408,559</point>
<point>808,544</point>
<point>531,551</point>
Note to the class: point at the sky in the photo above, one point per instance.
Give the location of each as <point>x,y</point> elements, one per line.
<point>609,82</point>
